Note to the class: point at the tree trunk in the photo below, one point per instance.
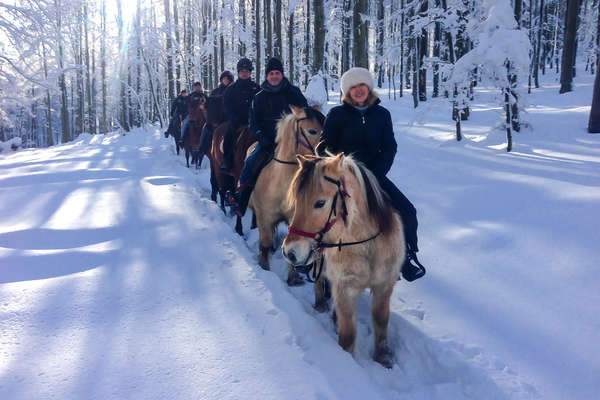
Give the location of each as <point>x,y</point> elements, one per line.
<point>291,46</point>
<point>566,73</point>
<point>360,34</point>
<point>380,43</point>
<point>178,48</point>
<point>277,50</point>
<point>319,43</point>
<point>269,30</point>
<point>169,49</point>
<point>257,37</point>
<point>536,68</point>
<point>518,8</point>
<point>346,37</point>
<point>594,123</point>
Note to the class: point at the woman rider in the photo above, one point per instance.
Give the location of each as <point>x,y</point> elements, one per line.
<point>363,128</point>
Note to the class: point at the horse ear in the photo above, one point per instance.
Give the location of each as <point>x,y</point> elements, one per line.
<point>297,111</point>
<point>302,159</point>
<point>337,162</point>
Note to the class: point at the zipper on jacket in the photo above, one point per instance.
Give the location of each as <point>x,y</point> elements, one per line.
<point>363,119</point>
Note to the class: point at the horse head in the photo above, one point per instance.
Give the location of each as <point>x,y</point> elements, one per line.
<point>300,131</point>
<point>332,197</point>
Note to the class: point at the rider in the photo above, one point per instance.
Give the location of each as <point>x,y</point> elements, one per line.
<point>197,92</point>
<point>207,131</point>
<point>269,104</point>
<point>225,80</point>
<point>178,109</point>
<point>237,100</point>
<point>363,128</point>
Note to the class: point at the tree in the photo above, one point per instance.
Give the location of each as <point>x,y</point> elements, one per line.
<point>360,34</point>
<point>568,55</point>
<point>319,42</point>
<point>594,122</point>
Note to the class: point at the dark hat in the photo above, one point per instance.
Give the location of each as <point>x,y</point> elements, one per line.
<point>226,74</point>
<point>274,65</point>
<point>197,84</point>
<point>244,63</point>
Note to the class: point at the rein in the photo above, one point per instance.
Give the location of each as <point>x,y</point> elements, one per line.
<point>341,193</point>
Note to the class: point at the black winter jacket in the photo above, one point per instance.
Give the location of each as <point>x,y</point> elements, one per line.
<point>268,107</point>
<point>238,99</point>
<point>179,107</point>
<point>219,90</point>
<point>369,137</point>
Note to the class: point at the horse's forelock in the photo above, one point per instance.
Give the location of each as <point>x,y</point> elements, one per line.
<point>302,187</point>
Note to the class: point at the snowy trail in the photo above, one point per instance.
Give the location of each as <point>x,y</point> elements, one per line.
<point>119,278</point>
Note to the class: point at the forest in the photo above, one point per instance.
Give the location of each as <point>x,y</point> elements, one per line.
<point>78,66</point>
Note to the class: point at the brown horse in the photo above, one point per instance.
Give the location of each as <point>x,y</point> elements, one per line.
<point>297,133</point>
<point>228,182</point>
<point>191,138</point>
<point>342,214</point>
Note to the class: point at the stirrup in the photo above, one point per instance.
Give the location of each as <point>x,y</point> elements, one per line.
<point>412,269</point>
<point>231,199</point>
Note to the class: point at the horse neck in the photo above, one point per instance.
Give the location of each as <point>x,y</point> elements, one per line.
<point>360,223</point>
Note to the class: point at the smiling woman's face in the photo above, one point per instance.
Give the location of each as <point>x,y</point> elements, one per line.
<point>359,94</point>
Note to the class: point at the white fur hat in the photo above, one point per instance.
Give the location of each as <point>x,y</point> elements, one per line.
<point>355,76</point>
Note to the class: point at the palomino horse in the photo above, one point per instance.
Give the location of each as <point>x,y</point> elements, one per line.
<point>297,133</point>
<point>228,182</point>
<point>342,215</point>
<point>191,138</point>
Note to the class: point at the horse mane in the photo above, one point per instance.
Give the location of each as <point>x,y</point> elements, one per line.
<point>378,202</point>
<point>306,181</point>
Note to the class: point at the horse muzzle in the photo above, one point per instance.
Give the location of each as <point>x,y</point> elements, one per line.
<point>298,253</point>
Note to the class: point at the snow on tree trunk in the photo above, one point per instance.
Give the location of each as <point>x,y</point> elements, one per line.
<point>594,123</point>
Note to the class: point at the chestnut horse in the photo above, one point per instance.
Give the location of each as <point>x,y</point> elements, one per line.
<point>297,133</point>
<point>228,182</point>
<point>342,215</point>
<point>191,138</point>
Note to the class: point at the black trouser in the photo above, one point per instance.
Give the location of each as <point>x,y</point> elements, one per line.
<point>406,209</point>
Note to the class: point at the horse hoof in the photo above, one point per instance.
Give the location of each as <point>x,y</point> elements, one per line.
<point>384,356</point>
<point>239,231</point>
<point>321,306</point>
<point>295,280</point>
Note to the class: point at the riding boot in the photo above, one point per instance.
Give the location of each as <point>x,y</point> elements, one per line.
<point>242,197</point>
<point>412,269</point>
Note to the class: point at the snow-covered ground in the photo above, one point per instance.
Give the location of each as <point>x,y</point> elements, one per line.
<point>119,278</point>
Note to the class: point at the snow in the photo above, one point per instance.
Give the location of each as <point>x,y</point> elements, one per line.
<point>11,144</point>
<point>119,278</point>
<point>316,94</point>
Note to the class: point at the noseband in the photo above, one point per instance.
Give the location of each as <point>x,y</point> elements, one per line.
<point>320,245</point>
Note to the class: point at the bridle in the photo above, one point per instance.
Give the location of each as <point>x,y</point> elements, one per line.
<point>320,245</point>
<point>299,142</point>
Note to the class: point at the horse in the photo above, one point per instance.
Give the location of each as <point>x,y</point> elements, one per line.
<point>297,133</point>
<point>227,182</point>
<point>191,138</point>
<point>174,129</point>
<point>342,216</point>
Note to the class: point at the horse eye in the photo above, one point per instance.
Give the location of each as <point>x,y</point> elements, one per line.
<point>319,203</point>
<point>312,132</point>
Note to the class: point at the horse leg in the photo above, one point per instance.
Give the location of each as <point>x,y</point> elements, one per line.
<point>380,314</point>
<point>222,194</point>
<point>263,258</point>
<point>214,187</point>
<point>345,299</point>
<point>253,226</point>
<point>321,287</point>
<point>238,226</point>
<point>187,158</point>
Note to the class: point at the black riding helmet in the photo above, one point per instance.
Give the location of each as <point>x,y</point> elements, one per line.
<point>244,63</point>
